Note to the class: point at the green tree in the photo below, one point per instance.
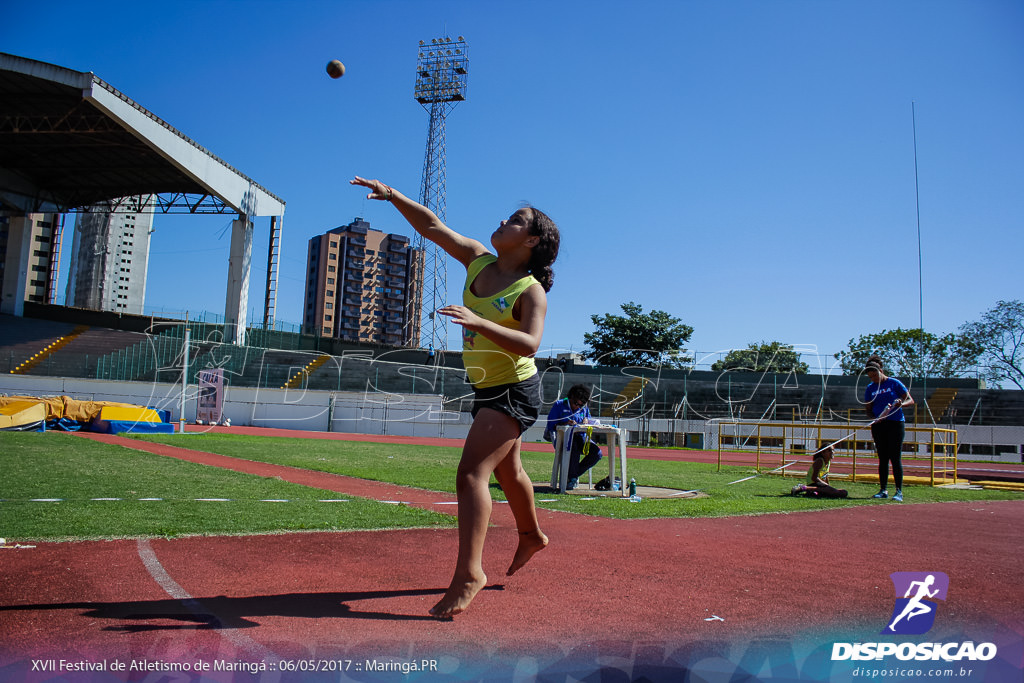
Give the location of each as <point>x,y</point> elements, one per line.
<point>638,339</point>
<point>764,357</point>
<point>999,338</point>
<point>950,355</point>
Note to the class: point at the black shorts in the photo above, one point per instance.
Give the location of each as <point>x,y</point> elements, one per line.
<point>520,401</point>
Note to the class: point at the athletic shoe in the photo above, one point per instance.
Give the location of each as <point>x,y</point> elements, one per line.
<point>881,494</point>
<point>899,495</point>
<point>572,484</point>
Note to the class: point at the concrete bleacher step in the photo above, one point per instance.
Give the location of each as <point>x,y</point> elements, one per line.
<point>15,331</point>
<point>141,359</point>
<point>627,396</point>
<point>311,367</point>
<point>938,403</point>
<point>53,347</point>
<point>20,338</point>
<point>80,357</point>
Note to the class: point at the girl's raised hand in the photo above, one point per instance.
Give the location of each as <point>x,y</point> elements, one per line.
<point>378,189</point>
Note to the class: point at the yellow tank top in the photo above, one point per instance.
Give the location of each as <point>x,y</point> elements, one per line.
<point>487,364</point>
<point>823,475</point>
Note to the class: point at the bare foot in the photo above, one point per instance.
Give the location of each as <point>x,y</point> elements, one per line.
<point>458,596</point>
<point>530,543</point>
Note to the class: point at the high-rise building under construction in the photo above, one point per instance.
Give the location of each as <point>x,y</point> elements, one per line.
<point>110,260</point>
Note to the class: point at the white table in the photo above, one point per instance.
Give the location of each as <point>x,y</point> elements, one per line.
<point>563,451</point>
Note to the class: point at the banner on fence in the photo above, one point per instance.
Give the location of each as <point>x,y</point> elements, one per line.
<point>210,404</point>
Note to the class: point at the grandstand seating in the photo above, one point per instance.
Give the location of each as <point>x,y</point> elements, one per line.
<point>301,377</point>
<point>50,349</point>
<point>23,337</point>
<point>129,354</point>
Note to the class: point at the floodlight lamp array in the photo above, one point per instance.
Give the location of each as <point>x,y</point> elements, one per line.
<point>442,67</point>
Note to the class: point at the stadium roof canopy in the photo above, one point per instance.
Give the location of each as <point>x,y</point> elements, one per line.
<point>69,140</point>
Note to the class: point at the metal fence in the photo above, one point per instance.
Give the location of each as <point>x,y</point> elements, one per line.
<point>930,452</point>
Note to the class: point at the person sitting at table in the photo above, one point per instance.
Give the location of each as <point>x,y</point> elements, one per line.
<point>573,410</point>
<point>817,477</point>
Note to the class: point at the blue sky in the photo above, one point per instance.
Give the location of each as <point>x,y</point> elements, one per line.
<point>747,167</point>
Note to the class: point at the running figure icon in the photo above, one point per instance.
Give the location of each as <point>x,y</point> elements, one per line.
<point>920,592</point>
<point>916,607</point>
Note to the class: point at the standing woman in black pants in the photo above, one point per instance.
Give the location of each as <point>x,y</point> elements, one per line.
<point>884,400</point>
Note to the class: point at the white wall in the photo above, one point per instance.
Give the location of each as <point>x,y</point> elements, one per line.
<point>398,414</point>
<point>354,412</point>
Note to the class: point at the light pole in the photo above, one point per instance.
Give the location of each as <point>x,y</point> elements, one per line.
<point>920,267</point>
<point>442,68</point>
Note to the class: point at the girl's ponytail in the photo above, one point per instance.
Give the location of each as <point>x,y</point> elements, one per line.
<point>546,250</point>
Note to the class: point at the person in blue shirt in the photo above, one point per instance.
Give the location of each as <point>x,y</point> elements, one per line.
<point>884,400</point>
<point>573,410</point>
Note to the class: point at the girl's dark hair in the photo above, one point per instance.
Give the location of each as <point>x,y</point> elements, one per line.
<point>874,363</point>
<point>546,251</point>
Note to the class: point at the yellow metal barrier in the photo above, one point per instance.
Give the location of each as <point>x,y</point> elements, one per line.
<point>771,445</point>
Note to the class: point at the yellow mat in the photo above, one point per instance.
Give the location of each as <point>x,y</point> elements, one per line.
<point>15,414</point>
<point>64,406</point>
<point>126,413</point>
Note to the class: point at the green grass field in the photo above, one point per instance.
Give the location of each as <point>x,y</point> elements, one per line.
<point>62,466</point>
<point>53,465</point>
<point>433,467</point>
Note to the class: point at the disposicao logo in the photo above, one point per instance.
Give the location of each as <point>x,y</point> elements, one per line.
<point>916,595</point>
<point>913,614</point>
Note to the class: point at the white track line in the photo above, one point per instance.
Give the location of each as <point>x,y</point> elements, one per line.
<point>253,500</point>
<point>173,589</point>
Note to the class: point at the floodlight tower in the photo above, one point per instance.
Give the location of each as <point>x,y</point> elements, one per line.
<point>442,67</point>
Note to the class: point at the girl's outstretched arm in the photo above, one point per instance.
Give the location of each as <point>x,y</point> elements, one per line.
<point>424,221</point>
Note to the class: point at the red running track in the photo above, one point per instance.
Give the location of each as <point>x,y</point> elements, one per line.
<point>645,599</point>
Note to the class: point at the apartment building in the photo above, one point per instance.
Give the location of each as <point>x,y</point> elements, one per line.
<point>361,286</point>
<point>43,253</point>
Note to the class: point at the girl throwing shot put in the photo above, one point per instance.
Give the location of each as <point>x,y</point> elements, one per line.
<point>502,319</point>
